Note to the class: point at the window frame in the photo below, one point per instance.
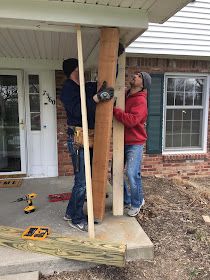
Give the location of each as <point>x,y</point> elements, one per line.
<point>205,106</point>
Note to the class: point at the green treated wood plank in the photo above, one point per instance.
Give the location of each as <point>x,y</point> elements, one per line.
<point>91,250</point>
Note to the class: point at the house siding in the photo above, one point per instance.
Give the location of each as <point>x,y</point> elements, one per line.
<point>186,33</point>
<point>184,165</point>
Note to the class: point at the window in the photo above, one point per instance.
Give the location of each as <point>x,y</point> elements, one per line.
<point>184,113</point>
<point>34,101</point>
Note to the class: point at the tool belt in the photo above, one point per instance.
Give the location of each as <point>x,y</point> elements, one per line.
<point>78,136</point>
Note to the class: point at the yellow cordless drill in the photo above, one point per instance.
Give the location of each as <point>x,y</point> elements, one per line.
<point>28,198</point>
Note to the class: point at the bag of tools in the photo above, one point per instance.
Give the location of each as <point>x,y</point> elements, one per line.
<point>78,137</point>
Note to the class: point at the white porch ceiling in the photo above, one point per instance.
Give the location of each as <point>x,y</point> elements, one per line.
<point>45,29</point>
<point>17,43</point>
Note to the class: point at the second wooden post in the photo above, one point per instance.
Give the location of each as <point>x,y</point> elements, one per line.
<point>108,52</point>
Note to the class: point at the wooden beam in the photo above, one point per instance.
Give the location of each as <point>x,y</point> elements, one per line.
<point>103,124</point>
<point>85,137</point>
<point>89,250</point>
<point>118,141</point>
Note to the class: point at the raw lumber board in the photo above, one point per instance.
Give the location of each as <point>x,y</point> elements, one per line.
<point>109,41</point>
<point>10,183</point>
<point>118,142</point>
<point>90,250</point>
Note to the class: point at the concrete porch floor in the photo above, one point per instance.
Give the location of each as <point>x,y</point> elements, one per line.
<point>51,214</point>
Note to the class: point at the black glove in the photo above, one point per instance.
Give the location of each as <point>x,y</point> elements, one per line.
<point>105,93</point>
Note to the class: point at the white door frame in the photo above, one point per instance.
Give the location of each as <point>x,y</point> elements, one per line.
<point>22,124</point>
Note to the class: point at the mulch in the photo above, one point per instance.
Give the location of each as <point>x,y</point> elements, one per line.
<point>172,218</point>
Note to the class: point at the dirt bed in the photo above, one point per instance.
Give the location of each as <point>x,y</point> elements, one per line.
<point>172,218</point>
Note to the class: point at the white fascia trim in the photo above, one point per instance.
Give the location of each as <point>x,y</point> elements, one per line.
<point>205,117</point>
<point>73,13</point>
<point>27,63</point>
<point>42,26</point>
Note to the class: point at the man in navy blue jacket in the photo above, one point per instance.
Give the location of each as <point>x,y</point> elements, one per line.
<point>70,97</point>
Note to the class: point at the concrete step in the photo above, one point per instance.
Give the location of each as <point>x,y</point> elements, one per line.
<point>114,229</point>
<point>20,276</point>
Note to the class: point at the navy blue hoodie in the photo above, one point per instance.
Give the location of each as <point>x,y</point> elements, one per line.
<point>70,97</point>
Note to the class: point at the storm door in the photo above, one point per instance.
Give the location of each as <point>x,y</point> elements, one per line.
<point>12,123</point>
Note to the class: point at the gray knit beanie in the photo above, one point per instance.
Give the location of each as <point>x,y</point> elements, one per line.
<point>146,80</point>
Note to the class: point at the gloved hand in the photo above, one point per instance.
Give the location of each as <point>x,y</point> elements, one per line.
<point>105,93</point>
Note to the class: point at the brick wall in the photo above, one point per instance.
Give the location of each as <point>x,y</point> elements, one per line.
<point>64,160</point>
<point>185,165</point>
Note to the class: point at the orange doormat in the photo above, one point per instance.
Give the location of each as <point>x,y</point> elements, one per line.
<point>10,183</point>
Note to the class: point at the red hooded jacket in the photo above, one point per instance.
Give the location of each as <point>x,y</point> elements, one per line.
<point>134,118</point>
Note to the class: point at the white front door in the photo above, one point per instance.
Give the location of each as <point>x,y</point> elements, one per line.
<point>41,124</point>
<point>12,123</point>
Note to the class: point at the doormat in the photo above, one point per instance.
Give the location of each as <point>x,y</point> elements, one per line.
<point>10,183</point>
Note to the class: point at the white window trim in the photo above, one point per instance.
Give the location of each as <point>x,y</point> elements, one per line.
<point>202,150</point>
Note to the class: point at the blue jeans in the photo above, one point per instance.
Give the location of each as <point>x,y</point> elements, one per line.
<point>76,202</point>
<point>133,160</point>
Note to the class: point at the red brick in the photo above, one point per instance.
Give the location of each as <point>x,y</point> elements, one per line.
<point>170,165</point>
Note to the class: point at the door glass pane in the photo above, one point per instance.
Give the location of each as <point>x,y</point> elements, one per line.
<point>35,121</point>
<point>10,159</point>
<point>33,83</point>
<point>34,102</point>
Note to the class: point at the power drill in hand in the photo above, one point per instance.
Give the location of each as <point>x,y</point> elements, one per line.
<point>28,198</point>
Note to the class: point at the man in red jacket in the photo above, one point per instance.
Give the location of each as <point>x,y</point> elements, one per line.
<point>134,118</point>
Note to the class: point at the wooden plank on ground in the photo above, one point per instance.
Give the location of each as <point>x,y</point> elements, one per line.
<point>118,141</point>
<point>108,51</point>
<point>90,250</point>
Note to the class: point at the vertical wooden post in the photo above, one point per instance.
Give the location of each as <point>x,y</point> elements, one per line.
<point>118,141</point>
<point>108,52</point>
<point>85,137</point>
